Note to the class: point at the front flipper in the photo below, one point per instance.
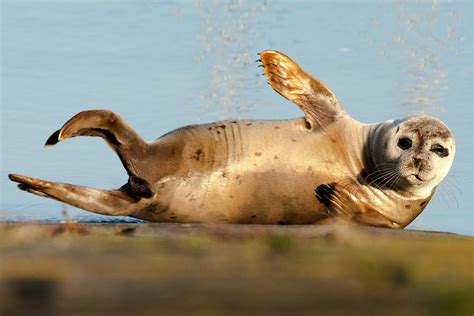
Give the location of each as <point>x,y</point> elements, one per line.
<point>343,201</point>
<point>317,101</point>
<point>105,202</point>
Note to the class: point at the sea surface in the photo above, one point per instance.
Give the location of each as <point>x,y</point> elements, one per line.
<point>164,64</point>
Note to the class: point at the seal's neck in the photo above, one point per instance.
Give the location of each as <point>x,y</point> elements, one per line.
<point>352,137</point>
<point>374,146</point>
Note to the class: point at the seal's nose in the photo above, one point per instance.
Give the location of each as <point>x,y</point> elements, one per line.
<point>416,161</point>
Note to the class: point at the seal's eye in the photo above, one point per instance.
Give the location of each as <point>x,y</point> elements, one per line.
<point>439,150</point>
<point>404,143</point>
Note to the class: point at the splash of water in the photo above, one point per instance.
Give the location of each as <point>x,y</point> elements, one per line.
<point>228,39</point>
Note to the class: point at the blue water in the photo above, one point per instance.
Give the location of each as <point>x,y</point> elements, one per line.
<point>164,64</point>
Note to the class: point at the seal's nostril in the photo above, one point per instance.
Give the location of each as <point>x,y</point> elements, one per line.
<point>416,161</point>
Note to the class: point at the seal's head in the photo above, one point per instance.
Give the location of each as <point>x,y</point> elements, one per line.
<point>417,153</point>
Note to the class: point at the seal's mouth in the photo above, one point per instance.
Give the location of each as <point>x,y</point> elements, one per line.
<point>420,180</point>
<point>417,177</point>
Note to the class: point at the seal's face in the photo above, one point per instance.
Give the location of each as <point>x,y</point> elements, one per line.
<point>420,151</point>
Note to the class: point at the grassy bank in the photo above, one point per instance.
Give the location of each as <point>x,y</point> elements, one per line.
<point>233,269</point>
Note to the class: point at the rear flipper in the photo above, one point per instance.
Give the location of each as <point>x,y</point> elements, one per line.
<point>132,150</point>
<point>130,147</point>
<point>105,202</point>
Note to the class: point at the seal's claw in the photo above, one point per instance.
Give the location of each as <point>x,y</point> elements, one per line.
<point>53,139</point>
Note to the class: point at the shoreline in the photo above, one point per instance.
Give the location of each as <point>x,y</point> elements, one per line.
<point>318,229</point>
<point>122,268</point>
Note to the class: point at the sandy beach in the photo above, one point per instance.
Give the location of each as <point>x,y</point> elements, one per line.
<point>173,269</point>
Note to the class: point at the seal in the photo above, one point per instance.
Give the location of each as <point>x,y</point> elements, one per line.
<point>322,168</point>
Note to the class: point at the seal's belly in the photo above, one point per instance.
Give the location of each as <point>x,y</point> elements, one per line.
<point>227,197</point>
<point>258,177</point>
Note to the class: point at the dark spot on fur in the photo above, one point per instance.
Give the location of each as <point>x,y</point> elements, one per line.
<point>282,223</point>
<point>429,129</point>
<point>218,132</point>
<point>423,203</point>
<point>324,193</point>
<point>293,140</point>
<point>234,122</point>
<point>408,206</point>
<point>248,124</point>
<point>198,154</point>
<point>443,134</point>
<point>224,174</point>
<point>258,154</point>
<point>253,216</point>
<point>310,168</point>
<point>138,187</point>
<point>209,128</point>
<point>231,196</point>
<point>221,126</point>
<point>172,217</point>
<point>277,127</point>
<point>333,140</point>
<point>275,157</point>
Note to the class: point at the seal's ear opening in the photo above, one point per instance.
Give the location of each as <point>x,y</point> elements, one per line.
<point>53,139</point>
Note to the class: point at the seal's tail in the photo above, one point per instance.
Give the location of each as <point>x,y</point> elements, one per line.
<point>106,202</point>
<point>128,145</point>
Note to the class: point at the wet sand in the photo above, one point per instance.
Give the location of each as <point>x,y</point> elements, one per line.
<point>174,269</point>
